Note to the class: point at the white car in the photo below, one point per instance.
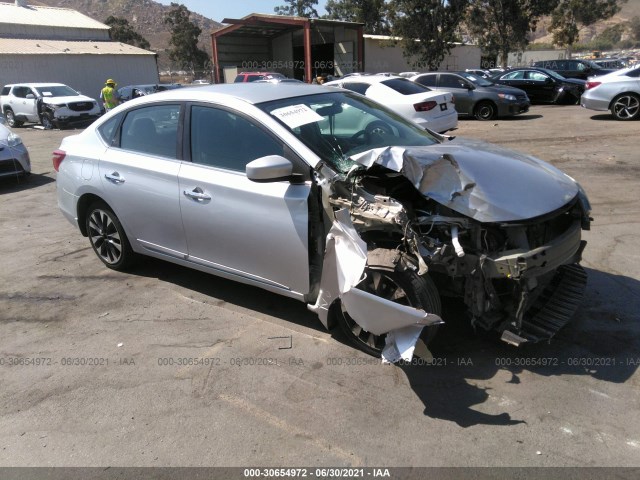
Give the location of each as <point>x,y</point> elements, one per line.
<point>52,104</point>
<point>618,91</point>
<point>433,110</point>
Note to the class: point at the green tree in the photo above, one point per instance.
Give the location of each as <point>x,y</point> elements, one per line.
<point>184,39</point>
<point>501,27</point>
<point>122,31</point>
<point>570,15</point>
<point>373,13</point>
<point>428,28</point>
<point>298,8</point>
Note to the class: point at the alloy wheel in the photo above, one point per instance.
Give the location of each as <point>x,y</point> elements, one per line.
<point>626,107</point>
<point>104,236</point>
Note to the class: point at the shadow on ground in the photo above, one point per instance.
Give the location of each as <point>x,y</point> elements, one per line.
<point>602,341</point>
<point>14,184</point>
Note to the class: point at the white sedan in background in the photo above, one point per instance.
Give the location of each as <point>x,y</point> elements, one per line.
<point>618,91</point>
<point>433,110</point>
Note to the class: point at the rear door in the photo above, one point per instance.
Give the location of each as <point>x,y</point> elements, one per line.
<point>255,231</point>
<point>139,175</point>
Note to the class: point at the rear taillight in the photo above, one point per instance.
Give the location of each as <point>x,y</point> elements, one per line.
<point>453,99</point>
<point>58,157</point>
<point>592,85</point>
<point>424,106</point>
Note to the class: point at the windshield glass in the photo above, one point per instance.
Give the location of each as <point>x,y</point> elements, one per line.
<point>481,82</point>
<point>341,124</point>
<point>56,91</point>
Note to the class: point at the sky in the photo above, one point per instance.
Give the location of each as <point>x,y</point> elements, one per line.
<point>219,9</point>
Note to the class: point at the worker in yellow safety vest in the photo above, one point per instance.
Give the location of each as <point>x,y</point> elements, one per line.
<point>109,95</point>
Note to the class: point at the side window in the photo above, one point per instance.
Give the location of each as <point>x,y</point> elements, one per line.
<point>451,81</point>
<point>108,129</point>
<point>517,75</point>
<point>357,87</point>
<point>5,91</point>
<point>152,130</point>
<point>536,76</point>
<point>21,92</point>
<point>581,67</point>
<point>427,80</point>
<point>225,140</point>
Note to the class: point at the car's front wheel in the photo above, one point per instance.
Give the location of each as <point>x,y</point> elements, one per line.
<point>47,121</point>
<point>107,237</point>
<point>485,111</point>
<point>403,286</point>
<point>11,118</point>
<point>626,106</point>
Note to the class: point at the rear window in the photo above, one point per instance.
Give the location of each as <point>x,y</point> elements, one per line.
<point>404,86</point>
<point>357,87</point>
<point>5,91</point>
<point>427,80</point>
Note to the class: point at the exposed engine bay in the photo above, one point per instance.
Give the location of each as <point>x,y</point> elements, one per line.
<point>519,277</point>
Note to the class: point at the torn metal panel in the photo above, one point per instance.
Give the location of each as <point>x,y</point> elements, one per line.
<point>481,186</point>
<point>344,261</point>
<point>400,344</point>
<point>378,315</point>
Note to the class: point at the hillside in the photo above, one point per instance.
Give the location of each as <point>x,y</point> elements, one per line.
<point>146,16</point>
<point>629,10</point>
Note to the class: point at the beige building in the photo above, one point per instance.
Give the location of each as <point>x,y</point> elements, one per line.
<point>46,44</point>
<point>384,54</point>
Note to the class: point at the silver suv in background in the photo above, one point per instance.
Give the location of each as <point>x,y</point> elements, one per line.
<point>51,104</point>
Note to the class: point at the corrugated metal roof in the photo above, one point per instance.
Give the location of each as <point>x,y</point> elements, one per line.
<point>47,16</point>
<point>21,46</point>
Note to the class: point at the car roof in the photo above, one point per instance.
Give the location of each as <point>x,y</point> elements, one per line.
<point>41,84</point>
<point>370,79</point>
<point>249,92</point>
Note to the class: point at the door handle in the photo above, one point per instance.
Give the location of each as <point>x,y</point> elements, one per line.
<point>197,194</point>
<point>114,177</point>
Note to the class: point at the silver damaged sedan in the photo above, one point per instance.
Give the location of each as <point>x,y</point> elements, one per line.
<point>325,196</point>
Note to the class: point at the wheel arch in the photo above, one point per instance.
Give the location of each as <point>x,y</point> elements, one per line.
<point>84,202</point>
<point>619,94</point>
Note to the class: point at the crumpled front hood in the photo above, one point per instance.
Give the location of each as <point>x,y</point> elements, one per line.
<point>483,181</point>
<point>65,100</point>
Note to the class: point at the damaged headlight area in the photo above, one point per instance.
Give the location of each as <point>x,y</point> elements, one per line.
<point>519,277</point>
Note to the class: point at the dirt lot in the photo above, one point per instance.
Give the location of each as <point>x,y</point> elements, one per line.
<point>110,389</point>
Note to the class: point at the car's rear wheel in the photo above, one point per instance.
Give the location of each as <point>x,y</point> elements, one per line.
<point>11,118</point>
<point>403,286</point>
<point>485,111</point>
<point>626,106</point>
<point>107,237</point>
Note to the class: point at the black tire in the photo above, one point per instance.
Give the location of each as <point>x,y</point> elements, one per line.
<point>626,106</point>
<point>107,237</point>
<point>419,292</point>
<point>47,121</point>
<point>11,119</point>
<point>485,110</point>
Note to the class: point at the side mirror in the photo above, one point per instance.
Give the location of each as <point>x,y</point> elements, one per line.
<point>30,96</point>
<point>471,86</point>
<point>548,80</point>
<point>272,168</point>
